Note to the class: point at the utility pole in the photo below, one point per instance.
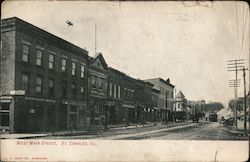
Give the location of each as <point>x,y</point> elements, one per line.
<point>235,65</point>
<point>245,101</point>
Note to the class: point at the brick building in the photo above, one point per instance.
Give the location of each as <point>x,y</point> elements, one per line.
<point>97,88</point>
<point>166,97</point>
<point>51,72</point>
<point>120,103</point>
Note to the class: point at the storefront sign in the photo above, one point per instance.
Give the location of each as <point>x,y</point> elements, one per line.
<point>17,92</point>
<point>6,97</point>
<point>40,99</point>
<point>5,101</point>
<point>129,106</point>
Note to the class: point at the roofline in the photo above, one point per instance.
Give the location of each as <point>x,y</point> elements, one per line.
<point>13,21</point>
<point>162,80</point>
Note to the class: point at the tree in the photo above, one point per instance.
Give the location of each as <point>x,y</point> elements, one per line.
<point>231,105</point>
<point>213,107</point>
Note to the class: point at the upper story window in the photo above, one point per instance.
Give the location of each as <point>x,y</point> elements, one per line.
<point>100,84</point>
<point>64,64</point>
<point>110,89</point>
<point>93,81</point>
<point>73,70</point>
<point>82,71</point>
<point>82,91</point>
<point>114,90</point>
<point>39,55</point>
<point>125,92</point>
<point>64,88</point>
<point>51,61</point>
<point>25,82</point>
<point>39,84</point>
<point>51,87</point>
<point>119,91</point>
<point>73,88</point>
<point>25,55</point>
<point>132,93</point>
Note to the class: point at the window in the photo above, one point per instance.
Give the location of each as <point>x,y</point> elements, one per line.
<point>82,71</point>
<point>51,61</point>
<point>25,56</point>
<point>114,90</point>
<point>125,92</point>
<point>51,87</point>
<point>110,89</point>
<point>100,84</point>
<point>73,88</point>
<point>39,55</point>
<point>64,64</point>
<point>64,89</point>
<point>119,91</point>
<point>73,70</point>
<point>25,82</point>
<point>132,93</point>
<point>93,81</point>
<point>38,84</point>
<point>82,91</point>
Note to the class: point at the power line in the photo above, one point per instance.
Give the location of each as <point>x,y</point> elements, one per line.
<point>244,25</point>
<point>235,65</point>
<point>236,10</point>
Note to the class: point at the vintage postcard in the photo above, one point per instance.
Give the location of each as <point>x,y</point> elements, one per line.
<point>124,81</point>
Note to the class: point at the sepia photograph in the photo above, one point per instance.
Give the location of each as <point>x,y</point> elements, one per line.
<point>102,80</point>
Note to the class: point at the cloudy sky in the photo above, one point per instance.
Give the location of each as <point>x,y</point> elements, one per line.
<point>187,42</point>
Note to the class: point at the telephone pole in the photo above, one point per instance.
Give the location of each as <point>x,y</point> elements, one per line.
<point>245,101</point>
<point>235,65</point>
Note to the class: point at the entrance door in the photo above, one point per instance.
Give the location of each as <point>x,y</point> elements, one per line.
<point>4,114</point>
<point>63,117</point>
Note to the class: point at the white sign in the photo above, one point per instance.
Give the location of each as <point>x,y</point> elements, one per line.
<point>17,92</point>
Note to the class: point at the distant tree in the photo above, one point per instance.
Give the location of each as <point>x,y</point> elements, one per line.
<point>231,105</point>
<point>213,106</point>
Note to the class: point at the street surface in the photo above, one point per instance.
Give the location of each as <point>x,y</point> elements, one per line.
<point>172,131</point>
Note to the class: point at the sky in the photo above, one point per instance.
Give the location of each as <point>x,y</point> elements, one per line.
<point>187,42</point>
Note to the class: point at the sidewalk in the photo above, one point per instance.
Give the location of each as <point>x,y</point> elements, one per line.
<point>86,133</point>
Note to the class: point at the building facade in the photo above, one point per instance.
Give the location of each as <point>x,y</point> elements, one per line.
<point>166,97</point>
<point>97,93</point>
<point>181,110</point>
<point>48,84</point>
<point>43,80</point>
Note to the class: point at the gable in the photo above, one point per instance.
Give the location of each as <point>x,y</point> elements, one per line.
<point>97,63</point>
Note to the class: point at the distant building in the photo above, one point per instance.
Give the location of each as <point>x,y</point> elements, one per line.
<point>166,97</point>
<point>181,109</point>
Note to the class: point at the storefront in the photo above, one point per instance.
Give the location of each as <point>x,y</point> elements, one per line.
<point>33,114</point>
